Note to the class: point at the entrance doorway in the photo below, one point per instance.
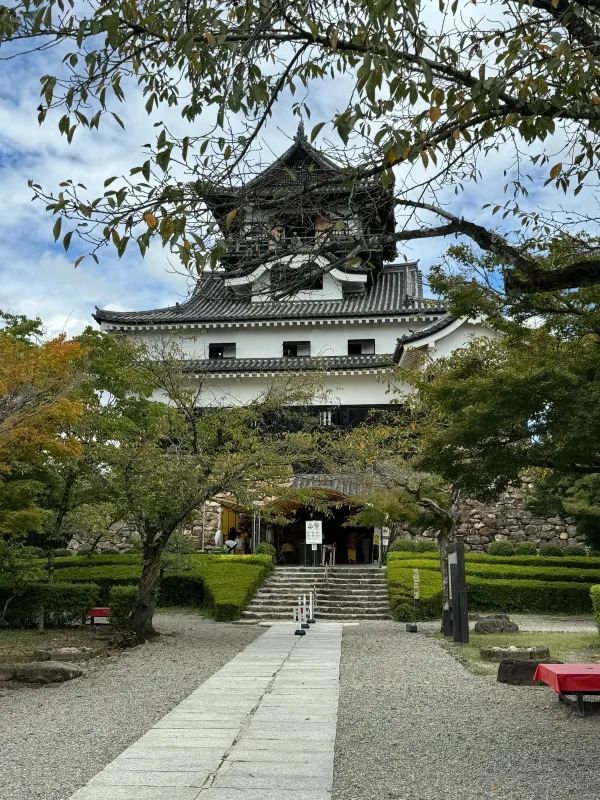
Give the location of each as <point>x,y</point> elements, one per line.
<point>352,544</point>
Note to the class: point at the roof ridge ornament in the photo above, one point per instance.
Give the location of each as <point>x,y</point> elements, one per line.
<point>300,133</point>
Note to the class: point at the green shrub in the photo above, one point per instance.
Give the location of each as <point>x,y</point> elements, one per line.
<point>104,576</point>
<point>574,550</point>
<point>551,550</point>
<point>62,603</point>
<point>413,546</point>
<point>121,600</point>
<point>35,552</point>
<point>581,562</point>
<point>400,588</point>
<point>224,583</point>
<point>409,555</point>
<point>501,547</point>
<point>528,595</point>
<point>267,549</point>
<point>97,560</point>
<point>595,595</point>
<point>527,549</point>
<point>62,552</point>
<point>508,571</point>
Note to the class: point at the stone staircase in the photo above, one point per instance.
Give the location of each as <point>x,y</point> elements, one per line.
<point>342,593</point>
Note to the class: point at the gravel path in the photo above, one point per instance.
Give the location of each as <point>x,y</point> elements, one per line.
<point>53,739</point>
<point>536,623</point>
<point>413,724</point>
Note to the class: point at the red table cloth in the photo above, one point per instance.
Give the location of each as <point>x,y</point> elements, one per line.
<point>569,678</point>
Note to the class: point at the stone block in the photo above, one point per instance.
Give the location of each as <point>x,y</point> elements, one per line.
<point>519,672</point>
<point>68,654</point>
<point>514,653</point>
<point>7,672</point>
<point>46,672</point>
<point>496,623</point>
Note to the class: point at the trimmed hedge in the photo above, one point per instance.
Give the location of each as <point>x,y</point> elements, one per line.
<point>501,547</point>
<point>485,594</point>
<point>413,546</point>
<point>400,588</point>
<point>62,603</point>
<point>65,562</point>
<point>223,583</point>
<point>121,601</point>
<point>579,562</point>
<point>595,595</point>
<point>530,549</point>
<point>508,571</point>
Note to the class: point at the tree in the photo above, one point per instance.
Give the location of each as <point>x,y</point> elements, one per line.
<point>431,93</point>
<point>399,491</point>
<point>173,455</point>
<point>523,405</point>
<point>38,383</point>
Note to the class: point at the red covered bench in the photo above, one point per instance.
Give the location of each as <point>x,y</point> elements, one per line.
<point>98,613</point>
<point>571,679</point>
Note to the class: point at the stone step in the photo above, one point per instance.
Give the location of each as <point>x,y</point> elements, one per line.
<point>275,615</point>
<point>352,607</point>
<point>325,584</point>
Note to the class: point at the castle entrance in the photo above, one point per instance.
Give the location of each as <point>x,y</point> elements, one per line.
<point>353,545</point>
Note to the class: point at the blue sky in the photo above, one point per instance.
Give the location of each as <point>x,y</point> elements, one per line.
<point>37,278</point>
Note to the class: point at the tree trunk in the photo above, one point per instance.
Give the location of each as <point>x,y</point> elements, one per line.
<point>443,542</point>
<point>142,612</point>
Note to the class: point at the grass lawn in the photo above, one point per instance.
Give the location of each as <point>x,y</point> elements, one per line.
<point>574,647</point>
<point>18,645</point>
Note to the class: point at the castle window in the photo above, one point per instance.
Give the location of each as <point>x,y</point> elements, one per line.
<point>296,349</point>
<point>361,347</point>
<point>221,351</point>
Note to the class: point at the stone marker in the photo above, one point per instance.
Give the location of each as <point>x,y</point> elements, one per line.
<point>70,654</point>
<point>512,652</point>
<point>518,672</point>
<point>496,623</point>
<point>46,672</point>
<point>7,672</point>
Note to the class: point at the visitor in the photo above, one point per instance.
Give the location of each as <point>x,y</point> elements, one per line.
<point>352,546</point>
<point>232,541</point>
<point>239,544</point>
<point>287,553</point>
<point>366,549</point>
<point>246,544</point>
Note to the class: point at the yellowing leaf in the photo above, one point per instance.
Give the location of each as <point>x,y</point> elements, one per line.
<point>231,216</point>
<point>556,170</point>
<point>391,157</point>
<point>150,220</point>
<point>435,112</point>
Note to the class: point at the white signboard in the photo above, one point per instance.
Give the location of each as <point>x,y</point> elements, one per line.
<point>314,531</point>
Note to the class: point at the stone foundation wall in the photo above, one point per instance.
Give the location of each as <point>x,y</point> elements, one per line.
<point>508,518</point>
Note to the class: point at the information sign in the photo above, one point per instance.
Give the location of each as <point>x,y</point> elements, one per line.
<point>314,531</point>
<point>416,584</point>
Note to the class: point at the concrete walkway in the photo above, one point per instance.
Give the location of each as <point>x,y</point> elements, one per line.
<point>261,728</point>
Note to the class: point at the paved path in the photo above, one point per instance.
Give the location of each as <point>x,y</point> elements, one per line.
<point>261,728</point>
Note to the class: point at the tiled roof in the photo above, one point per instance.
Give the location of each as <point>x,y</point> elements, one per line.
<point>326,363</point>
<point>212,301</point>
<point>415,336</point>
<point>344,484</point>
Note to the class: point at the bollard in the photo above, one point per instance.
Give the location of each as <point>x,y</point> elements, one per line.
<point>311,606</point>
<point>305,622</point>
<point>298,619</point>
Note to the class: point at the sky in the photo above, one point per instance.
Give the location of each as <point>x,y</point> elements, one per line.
<point>37,278</point>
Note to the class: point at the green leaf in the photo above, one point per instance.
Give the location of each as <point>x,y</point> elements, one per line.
<point>56,229</point>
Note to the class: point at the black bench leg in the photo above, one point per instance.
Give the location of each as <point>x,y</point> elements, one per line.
<point>580,705</point>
